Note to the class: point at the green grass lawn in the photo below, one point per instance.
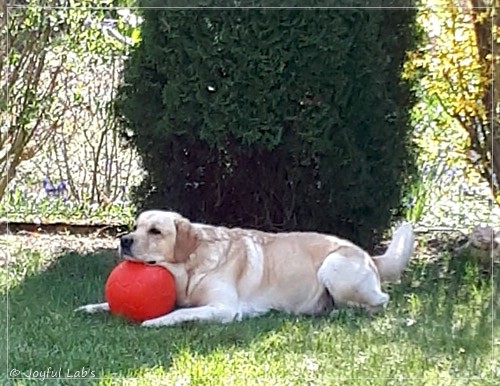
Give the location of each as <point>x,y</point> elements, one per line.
<point>436,330</point>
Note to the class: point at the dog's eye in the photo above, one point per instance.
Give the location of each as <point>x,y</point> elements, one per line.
<point>155,231</point>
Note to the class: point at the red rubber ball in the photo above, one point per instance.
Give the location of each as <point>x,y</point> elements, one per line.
<point>140,292</point>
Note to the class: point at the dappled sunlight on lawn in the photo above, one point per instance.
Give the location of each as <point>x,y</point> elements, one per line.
<point>437,326</point>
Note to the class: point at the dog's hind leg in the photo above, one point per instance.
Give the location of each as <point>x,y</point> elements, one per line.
<point>352,279</point>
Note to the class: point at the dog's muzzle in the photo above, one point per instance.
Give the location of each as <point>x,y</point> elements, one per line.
<point>126,245</point>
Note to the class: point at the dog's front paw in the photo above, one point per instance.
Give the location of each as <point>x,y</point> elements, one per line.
<point>93,308</point>
<point>89,309</point>
<point>150,323</point>
<point>158,322</point>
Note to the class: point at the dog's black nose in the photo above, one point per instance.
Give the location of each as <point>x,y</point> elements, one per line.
<point>126,242</point>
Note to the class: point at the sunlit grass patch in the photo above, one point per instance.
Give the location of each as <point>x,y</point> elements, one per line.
<point>437,326</point>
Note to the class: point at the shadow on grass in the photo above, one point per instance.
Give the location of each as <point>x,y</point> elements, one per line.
<point>45,332</point>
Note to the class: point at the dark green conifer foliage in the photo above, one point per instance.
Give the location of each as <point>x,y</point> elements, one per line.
<point>273,119</point>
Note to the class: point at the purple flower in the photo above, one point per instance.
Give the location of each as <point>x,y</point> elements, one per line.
<point>62,187</point>
<point>62,190</point>
<point>48,187</point>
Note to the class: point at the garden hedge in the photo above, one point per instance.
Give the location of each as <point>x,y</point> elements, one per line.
<point>276,119</point>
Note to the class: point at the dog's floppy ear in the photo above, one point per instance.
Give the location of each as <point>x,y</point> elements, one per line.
<point>186,240</point>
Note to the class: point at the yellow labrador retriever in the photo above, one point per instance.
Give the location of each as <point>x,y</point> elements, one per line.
<point>225,274</point>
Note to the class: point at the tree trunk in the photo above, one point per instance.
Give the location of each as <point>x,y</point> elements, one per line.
<point>485,18</point>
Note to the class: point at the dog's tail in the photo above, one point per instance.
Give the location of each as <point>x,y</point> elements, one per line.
<point>394,261</point>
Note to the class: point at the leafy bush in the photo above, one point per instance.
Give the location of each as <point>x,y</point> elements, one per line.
<point>57,71</point>
<point>275,119</point>
<point>454,66</point>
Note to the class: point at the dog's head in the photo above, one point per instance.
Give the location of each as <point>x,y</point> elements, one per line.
<point>159,237</point>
